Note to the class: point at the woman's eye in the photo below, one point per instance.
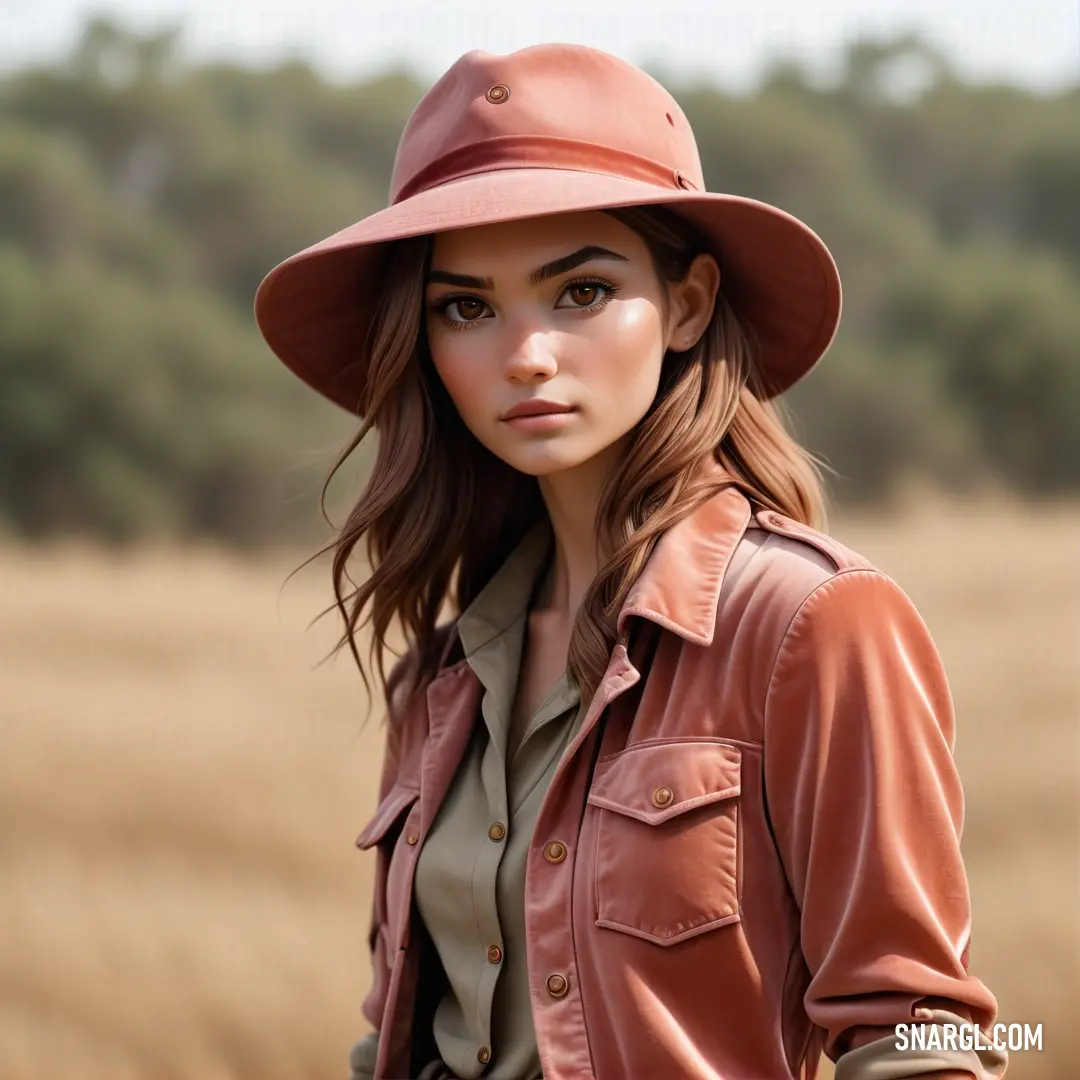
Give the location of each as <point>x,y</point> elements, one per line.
<point>461,312</point>
<point>585,294</point>
<point>468,309</point>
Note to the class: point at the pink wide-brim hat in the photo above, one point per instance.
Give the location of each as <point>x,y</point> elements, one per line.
<point>545,130</point>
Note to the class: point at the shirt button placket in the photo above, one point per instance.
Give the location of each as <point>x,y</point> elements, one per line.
<point>489,923</point>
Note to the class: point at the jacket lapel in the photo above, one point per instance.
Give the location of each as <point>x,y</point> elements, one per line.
<point>453,703</point>
<point>679,589</point>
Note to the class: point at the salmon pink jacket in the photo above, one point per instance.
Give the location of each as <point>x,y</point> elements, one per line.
<point>761,819</point>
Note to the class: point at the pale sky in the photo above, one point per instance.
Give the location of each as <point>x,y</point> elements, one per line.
<point>1035,43</point>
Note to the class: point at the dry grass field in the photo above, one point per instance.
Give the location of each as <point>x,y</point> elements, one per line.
<point>181,784</point>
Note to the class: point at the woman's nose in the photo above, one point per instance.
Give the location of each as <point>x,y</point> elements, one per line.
<point>533,354</point>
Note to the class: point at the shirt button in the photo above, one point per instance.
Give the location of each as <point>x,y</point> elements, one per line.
<point>497,831</point>
<point>662,796</point>
<point>483,1055</point>
<point>557,985</point>
<point>494,954</point>
<point>555,851</point>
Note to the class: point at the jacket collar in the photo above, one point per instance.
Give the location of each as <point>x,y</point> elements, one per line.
<point>679,586</point>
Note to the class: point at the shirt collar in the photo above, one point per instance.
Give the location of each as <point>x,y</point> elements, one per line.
<point>678,588</point>
<point>505,597</point>
<point>492,633</point>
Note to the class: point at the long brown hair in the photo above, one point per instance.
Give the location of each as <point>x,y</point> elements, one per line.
<point>441,513</point>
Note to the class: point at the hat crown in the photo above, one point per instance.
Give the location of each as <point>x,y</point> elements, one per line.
<point>554,104</point>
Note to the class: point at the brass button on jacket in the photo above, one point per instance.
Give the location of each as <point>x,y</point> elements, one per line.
<point>412,838</point>
<point>483,1055</point>
<point>555,851</point>
<point>497,831</point>
<point>494,954</point>
<point>557,985</point>
<point>662,797</point>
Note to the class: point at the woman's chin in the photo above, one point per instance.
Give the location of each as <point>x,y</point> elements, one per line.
<point>542,461</point>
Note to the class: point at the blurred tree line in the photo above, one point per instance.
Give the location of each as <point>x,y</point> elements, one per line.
<point>142,200</point>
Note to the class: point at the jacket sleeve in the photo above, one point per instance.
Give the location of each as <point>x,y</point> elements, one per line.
<point>867,809</point>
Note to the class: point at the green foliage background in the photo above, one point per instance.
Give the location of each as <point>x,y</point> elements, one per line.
<point>142,201</point>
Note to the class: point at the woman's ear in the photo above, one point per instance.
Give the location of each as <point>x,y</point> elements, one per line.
<point>692,301</point>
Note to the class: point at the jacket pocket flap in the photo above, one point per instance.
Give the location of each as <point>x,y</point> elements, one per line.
<point>657,781</point>
<point>387,813</point>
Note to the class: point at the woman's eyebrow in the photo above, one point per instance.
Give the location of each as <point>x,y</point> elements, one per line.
<point>541,273</point>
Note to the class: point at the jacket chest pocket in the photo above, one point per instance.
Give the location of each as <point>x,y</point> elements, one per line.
<point>394,832</point>
<point>667,852</point>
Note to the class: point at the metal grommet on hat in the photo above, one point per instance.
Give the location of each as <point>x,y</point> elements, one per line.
<point>498,94</point>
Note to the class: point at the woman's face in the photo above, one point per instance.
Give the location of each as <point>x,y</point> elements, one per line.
<point>565,309</point>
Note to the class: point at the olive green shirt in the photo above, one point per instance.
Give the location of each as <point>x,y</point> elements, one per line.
<point>470,875</point>
<point>479,842</point>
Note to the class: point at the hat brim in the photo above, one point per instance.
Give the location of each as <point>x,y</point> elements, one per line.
<point>315,308</point>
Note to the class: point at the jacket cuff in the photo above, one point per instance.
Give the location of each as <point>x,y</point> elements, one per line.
<point>881,1060</point>
<point>362,1057</point>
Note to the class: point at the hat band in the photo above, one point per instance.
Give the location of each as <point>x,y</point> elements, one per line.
<point>540,152</point>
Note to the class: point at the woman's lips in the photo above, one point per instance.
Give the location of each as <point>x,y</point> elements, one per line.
<point>550,421</point>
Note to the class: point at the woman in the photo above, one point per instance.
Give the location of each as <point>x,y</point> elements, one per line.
<point>672,795</point>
